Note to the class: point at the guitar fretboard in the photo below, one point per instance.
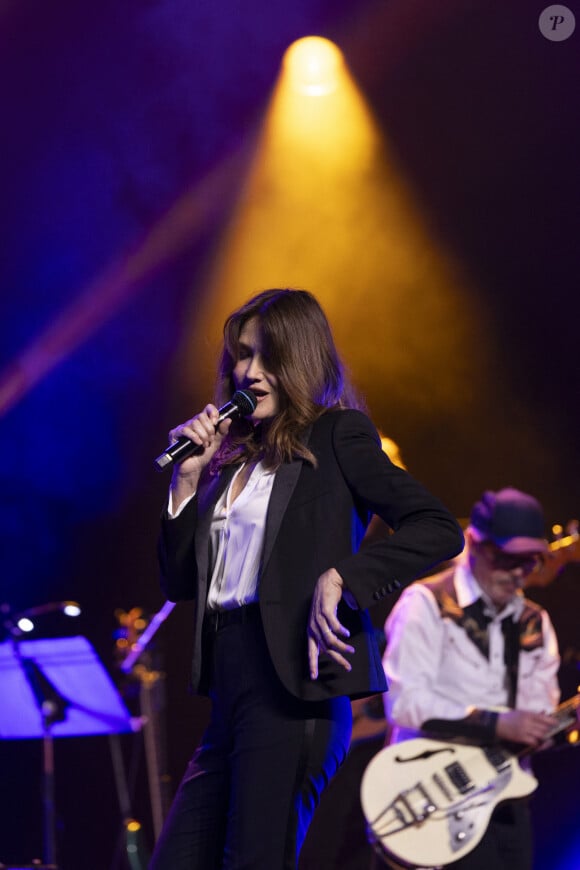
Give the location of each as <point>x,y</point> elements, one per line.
<point>566,715</point>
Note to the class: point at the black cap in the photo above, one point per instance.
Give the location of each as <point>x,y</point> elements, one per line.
<point>512,520</point>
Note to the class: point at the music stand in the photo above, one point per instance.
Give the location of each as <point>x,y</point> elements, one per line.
<point>56,688</point>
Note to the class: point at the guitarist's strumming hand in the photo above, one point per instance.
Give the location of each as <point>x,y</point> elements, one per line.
<point>522,726</point>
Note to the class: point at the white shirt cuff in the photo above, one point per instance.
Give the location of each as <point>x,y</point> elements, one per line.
<point>173,514</point>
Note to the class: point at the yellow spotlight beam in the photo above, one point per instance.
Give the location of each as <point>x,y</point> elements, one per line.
<point>316,141</point>
<point>326,206</point>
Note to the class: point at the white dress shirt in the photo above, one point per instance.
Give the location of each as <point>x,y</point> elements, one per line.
<point>435,671</point>
<point>237,540</point>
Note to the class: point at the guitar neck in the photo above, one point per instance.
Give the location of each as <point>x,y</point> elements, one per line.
<point>566,716</point>
<point>561,552</point>
<point>566,712</point>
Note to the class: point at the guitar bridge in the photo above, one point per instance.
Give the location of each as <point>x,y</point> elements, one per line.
<point>410,808</point>
<point>418,802</point>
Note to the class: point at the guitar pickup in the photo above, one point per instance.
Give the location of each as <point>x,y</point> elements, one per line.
<point>459,777</point>
<point>497,757</point>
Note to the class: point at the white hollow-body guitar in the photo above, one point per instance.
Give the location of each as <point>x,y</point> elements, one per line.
<point>428,802</point>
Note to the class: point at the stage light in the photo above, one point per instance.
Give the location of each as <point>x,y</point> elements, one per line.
<point>21,623</point>
<point>313,65</point>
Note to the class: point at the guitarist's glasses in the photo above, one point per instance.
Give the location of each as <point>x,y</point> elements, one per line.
<point>501,561</point>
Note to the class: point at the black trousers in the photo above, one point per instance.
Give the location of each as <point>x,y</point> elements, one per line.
<point>252,786</point>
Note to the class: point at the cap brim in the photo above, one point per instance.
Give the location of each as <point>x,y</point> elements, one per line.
<point>513,545</point>
<point>523,545</point>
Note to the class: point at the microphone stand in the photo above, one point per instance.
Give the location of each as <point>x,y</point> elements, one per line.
<point>52,708</point>
<point>55,688</point>
<point>49,815</point>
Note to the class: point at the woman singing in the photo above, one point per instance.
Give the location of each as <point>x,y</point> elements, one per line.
<point>262,530</point>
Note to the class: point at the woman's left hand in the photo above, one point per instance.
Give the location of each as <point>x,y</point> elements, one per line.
<point>324,629</point>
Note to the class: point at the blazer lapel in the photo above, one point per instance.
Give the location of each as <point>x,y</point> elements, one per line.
<point>207,499</point>
<point>284,485</point>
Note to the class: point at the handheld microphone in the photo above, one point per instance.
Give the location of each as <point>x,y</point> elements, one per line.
<point>242,404</point>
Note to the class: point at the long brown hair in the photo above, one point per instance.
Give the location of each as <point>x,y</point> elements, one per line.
<point>298,346</point>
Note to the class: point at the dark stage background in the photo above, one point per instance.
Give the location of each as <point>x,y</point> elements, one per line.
<point>113,112</point>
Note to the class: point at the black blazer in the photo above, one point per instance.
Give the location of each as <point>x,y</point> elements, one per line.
<point>316,520</point>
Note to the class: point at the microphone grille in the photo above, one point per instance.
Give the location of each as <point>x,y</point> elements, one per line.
<point>246,401</point>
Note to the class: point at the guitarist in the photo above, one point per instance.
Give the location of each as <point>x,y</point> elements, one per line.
<point>469,657</point>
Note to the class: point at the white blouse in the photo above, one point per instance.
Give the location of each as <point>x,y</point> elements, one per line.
<point>236,539</point>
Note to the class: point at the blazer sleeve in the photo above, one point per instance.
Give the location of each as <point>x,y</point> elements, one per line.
<point>176,553</point>
<point>424,531</point>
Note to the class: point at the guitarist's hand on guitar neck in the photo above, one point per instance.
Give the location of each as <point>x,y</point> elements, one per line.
<point>523,726</point>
